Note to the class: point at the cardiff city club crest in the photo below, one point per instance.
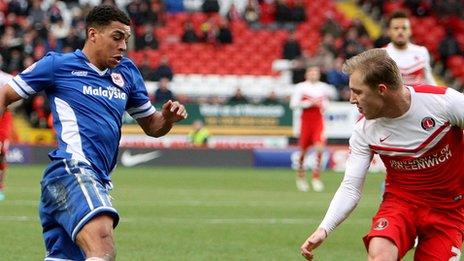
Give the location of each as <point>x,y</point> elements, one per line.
<point>117,79</point>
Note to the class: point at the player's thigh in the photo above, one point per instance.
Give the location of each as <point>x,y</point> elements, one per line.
<point>441,238</point>
<point>73,195</point>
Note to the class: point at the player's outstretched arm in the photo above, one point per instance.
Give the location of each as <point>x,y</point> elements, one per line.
<point>7,96</point>
<point>312,243</point>
<point>160,123</point>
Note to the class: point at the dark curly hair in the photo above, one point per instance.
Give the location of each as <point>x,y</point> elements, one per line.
<point>103,15</point>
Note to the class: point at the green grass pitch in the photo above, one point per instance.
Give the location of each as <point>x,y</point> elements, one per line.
<point>182,213</point>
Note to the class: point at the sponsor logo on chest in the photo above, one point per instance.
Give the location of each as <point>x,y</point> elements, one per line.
<point>108,92</point>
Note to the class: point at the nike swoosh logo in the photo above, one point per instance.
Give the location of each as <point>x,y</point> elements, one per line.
<point>382,140</point>
<point>129,160</point>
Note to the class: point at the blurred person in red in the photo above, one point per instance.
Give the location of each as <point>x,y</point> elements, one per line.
<point>6,130</point>
<point>311,97</point>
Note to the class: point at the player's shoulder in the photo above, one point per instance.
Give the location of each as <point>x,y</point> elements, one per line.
<point>418,48</point>
<point>127,64</point>
<point>59,58</point>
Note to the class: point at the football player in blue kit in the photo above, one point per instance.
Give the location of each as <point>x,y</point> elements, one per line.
<point>89,91</point>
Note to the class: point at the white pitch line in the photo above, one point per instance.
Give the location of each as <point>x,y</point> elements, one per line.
<point>204,221</point>
<point>190,203</point>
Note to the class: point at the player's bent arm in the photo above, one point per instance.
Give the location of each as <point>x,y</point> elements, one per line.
<point>348,194</point>
<point>160,123</point>
<point>155,125</point>
<point>7,96</point>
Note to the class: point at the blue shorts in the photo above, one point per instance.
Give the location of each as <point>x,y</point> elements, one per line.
<point>72,194</point>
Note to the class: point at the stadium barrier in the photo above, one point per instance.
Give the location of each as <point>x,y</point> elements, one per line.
<point>334,157</point>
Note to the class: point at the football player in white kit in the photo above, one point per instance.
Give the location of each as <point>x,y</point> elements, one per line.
<point>417,132</point>
<point>413,60</point>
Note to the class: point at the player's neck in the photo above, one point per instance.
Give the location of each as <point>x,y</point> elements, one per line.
<point>92,57</point>
<point>399,103</point>
<point>401,47</point>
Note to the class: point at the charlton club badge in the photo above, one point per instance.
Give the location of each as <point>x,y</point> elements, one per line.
<point>427,123</point>
<point>381,224</point>
<point>117,79</point>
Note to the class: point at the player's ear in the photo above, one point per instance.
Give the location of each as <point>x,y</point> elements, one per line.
<point>91,32</point>
<point>382,88</point>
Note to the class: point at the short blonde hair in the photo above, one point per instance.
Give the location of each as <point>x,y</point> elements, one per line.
<point>376,67</point>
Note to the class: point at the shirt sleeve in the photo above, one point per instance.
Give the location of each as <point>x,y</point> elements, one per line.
<point>295,100</point>
<point>349,193</point>
<point>35,78</point>
<point>138,104</point>
<point>455,108</point>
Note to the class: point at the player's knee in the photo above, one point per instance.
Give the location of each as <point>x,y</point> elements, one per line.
<point>96,238</point>
<point>382,249</point>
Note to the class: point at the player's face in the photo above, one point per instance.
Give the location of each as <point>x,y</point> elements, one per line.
<point>313,74</point>
<point>368,101</point>
<point>111,42</point>
<point>400,31</point>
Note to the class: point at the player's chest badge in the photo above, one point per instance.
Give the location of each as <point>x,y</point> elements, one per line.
<point>427,123</point>
<point>117,79</point>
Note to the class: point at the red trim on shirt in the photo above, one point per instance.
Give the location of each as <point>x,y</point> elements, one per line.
<point>429,89</point>
<point>423,145</point>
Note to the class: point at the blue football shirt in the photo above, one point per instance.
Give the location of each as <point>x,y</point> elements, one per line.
<point>87,105</point>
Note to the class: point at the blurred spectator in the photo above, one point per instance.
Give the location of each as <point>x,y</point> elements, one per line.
<point>210,6</point>
<point>174,6</point>
<point>146,70</point>
<point>283,14</point>
<point>224,34</point>
<point>271,99</point>
<point>147,38</point>
<point>208,31</point>
<point>163,94</point>
<point>192,5</point>
<point>189,35</point>
<point>163,70</point>
<point>267,12</point>
<point>331,27</point>
<point>359,26</point>
<point>237,98</point>
<point>337,78</point>
<point>351,44</point>
<point>233,14</point>
<point>298,12</point>
<point>448,8</point>
<point>37,110</point>
<point>73,41</point>
<point>15,61</point>
<point>418,7</point>
<point>251,13</point>
<point>291,48</point>
<point>449,46</point>
<point>328,42</point>
<point>382,40</point>
<point>59,30</point>
<point>322,58</point>
<point>199,135</point>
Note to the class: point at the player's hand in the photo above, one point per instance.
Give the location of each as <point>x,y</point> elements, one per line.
<point>173,111</point>
<point>312,243</point>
